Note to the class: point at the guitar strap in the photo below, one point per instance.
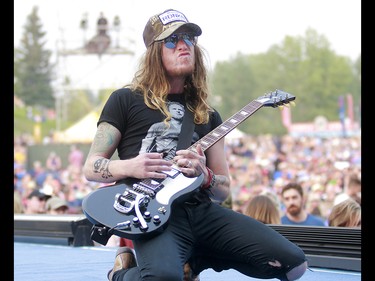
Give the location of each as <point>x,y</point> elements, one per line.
<point>187,129</point>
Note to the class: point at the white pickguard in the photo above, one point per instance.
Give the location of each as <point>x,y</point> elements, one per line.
<point>173,186</point>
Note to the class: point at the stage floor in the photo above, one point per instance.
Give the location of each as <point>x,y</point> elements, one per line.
<point>41,262</point>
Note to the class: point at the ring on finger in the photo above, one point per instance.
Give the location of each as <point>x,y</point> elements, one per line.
<point>190,164</point>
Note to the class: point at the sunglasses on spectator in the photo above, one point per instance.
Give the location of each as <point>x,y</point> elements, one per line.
<point>171,41</point>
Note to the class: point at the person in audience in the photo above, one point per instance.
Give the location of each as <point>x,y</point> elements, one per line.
<point>53,162</point>
<point>293,198</point>
<point>17,201</point>
<point>263,208</point>
<point>76,157</point>
<point>313,205</point>
<point>36,202</point>
<point>56,206</point>
<point>345,214</point>
<point>351,190</point>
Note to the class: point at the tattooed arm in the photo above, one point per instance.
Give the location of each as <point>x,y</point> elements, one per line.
<point>98,166</point>
<point>212,164</point>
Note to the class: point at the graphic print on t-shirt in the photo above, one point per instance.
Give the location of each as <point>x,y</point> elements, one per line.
<point>163,139</point>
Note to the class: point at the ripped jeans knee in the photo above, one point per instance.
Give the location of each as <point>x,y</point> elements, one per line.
<point>297,272</point>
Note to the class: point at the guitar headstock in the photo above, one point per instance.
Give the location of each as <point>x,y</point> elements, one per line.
<point>276,98</point>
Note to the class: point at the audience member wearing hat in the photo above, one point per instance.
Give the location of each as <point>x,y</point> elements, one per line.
<point>56,206</point>
<point>36,202</point>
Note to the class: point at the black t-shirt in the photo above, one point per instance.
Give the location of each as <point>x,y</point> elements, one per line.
<point>142,128</point>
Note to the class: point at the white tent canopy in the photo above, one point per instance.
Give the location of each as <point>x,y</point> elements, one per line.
<point>81,132</point>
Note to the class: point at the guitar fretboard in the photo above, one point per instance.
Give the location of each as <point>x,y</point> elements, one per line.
<point>227,126</point>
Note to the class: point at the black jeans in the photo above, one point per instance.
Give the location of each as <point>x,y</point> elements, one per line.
<point>208,235</point>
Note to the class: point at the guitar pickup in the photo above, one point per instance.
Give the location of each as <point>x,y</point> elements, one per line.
<point>148,186</point>
<point>172,173</point>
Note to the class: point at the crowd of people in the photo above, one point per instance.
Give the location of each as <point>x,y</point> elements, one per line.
<point>328,171</point>
<point>38,188</point>
<point>207,229</point>
<point>246,183</point>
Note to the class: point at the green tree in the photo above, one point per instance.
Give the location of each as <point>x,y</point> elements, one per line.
<point>33,71</point>
<point>314,73</point>
<point>232,84</point>
<point>17,84</point>
<point>303,66</point>
<point>78,104</point>
<point>356,87</point>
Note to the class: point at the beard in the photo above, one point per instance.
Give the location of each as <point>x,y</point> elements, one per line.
<point>294,210</point>
<point>181,68</point>
<point>181,71</point>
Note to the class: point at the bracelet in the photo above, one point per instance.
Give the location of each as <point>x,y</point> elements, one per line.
<point>211,179</point>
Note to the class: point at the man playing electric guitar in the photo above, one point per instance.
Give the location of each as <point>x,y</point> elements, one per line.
<point>200,234</point>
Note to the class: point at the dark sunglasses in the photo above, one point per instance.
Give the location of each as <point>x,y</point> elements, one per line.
<point>171,41</point>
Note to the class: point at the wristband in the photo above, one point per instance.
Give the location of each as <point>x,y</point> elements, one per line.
<point>211,179</point>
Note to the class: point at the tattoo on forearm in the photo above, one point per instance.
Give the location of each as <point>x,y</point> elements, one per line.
<point>101,166</point>
<point>219,180</point>
<point>105,138</point>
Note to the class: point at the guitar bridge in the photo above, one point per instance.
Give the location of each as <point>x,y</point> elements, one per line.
<point>125,203</point>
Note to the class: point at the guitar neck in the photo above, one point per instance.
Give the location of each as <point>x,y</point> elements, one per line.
<point>227,126</point>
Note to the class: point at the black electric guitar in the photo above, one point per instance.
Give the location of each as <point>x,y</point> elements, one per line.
<point>138,208</point>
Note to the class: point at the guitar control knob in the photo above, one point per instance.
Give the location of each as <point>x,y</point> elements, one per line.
<point>136,221</point>
<point>156,219</point>
<point>147,215</point>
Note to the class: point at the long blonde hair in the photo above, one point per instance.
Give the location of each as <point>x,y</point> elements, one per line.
<point>263,209</point>
<point>151,81</point>
<point>345,214</point>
